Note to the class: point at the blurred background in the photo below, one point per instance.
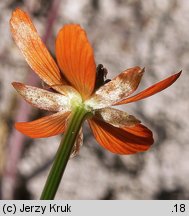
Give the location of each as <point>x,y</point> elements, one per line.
<point>124,33</point>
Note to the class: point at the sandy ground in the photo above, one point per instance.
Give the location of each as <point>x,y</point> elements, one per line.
<point>151,33</point>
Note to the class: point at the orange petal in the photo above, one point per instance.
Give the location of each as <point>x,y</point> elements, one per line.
<point>116,117</point>
<point>44,127</point>
<point>43,99</point>
<point>151,90</point>
<point>122,140</point>
<point>33,49</point>
<point>117,89</point>
<point>76,59</point>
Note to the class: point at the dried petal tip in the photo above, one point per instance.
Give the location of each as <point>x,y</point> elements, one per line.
<point>178,74</point>
<point>17,85</point>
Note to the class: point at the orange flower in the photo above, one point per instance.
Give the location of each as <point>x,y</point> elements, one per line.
<point>74,84</point>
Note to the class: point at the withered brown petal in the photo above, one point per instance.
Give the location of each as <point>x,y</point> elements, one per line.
<point>43,99</point>
<point>116,117</point>
<point>78,143</point>
<point>117,89</point>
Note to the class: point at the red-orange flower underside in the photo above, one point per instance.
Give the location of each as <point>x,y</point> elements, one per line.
<point>115,130</point>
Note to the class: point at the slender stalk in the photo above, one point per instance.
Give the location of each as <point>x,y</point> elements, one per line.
<point>63,153</point>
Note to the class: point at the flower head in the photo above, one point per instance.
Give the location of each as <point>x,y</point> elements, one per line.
<point>73,82</point>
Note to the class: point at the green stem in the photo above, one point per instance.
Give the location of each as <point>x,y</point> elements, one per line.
<point>63,153</point>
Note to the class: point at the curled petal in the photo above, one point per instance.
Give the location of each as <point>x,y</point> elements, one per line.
<point>76,59</point>
<point>151,90</point>
<point>116,117</point>
<point>43,99</point>
<point>128,140</point>
<point>33,49</point>
<point>117,89</point>
<point>44,127</point>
